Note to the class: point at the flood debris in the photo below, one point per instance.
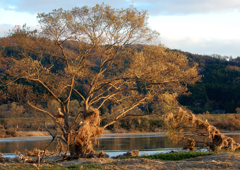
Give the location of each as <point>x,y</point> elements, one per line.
<point>185,121</point>
<point>84,134</point>
<point>190,144</point>
<point>128,154</point>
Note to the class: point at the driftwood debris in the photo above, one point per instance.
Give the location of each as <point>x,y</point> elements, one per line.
<point>129,154</point>
<point>185,121</point>
<point>84,134</point>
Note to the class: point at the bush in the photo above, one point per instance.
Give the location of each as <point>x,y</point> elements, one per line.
<point>11,132</point>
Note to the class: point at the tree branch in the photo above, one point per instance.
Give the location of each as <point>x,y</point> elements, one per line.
<point>45,86</point>
<point>49,114</point>
<point>130,89</point>
<point>118,117</point>
<point>79,94</point>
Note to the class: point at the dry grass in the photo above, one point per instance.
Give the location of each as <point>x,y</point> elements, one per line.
<point>32,133</point>
<point>222,121</point>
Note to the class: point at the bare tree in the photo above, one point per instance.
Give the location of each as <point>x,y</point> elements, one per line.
<point>112,52</point>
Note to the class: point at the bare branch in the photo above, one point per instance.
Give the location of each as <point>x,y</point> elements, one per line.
<point>130,89</point>
<point>46,87</point>
<point>71,88</point>
<point>124,112</point>
<point>79,94</point>
<point>75,121</point>
<point>122,118</point>
<point>44,111</point>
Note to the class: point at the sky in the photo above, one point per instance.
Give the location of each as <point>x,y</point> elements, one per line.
<point>203,27</point>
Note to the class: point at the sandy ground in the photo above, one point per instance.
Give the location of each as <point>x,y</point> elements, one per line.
<point>219,161</point>
<point>32,133</point>
<point>230,160</point>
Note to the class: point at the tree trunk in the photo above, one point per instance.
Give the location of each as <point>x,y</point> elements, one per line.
<point>84,134</point>
<point>65,110</point>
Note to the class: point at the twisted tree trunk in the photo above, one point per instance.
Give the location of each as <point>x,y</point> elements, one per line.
<point>185,121</point>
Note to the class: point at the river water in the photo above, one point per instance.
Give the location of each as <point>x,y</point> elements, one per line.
<point>111,144</point>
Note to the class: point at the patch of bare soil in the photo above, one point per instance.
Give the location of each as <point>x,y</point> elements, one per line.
<point>217,161</point>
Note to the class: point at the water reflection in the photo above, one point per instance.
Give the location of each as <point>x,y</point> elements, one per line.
<point>10,147</point>
<point>139,143</point>
<point>142,143</point>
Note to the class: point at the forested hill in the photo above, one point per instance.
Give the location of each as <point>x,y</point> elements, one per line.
<point>219,91</point>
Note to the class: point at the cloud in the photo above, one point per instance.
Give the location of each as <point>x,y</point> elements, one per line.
<point>17,18</point>
<point>155,7</point>
<point>34,7</point>
<point>204,46</point>
<point>212,19</point>
<point>4,29</point>
<point>186,7</point>
<point>209,26</point>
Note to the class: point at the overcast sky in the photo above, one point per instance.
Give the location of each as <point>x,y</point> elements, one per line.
<point>197,26</point>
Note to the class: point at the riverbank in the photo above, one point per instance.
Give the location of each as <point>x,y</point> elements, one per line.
<point>35,135</point>
<point>223,160</point>
<point>217,161</point>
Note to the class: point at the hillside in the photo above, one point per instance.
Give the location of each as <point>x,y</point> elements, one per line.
<point>219,90</point>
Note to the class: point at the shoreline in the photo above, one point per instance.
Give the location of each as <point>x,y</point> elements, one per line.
<point>108,135</point>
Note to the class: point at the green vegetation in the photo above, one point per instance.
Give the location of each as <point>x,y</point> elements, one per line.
<point>178,155</point>
<point>175,156</point>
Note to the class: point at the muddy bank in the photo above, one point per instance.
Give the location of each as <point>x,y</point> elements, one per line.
<point>217,161</point>
<point>229,160</point>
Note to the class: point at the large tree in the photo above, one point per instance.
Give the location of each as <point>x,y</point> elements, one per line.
<point>113,53</point>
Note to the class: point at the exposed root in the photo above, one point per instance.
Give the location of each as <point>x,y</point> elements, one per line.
<point>180,123</point>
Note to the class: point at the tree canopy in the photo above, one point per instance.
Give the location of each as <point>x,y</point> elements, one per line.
<point>112,53</point>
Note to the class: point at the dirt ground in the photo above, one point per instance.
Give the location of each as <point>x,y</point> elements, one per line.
<point>226,160</point>
<point>218,161</point>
